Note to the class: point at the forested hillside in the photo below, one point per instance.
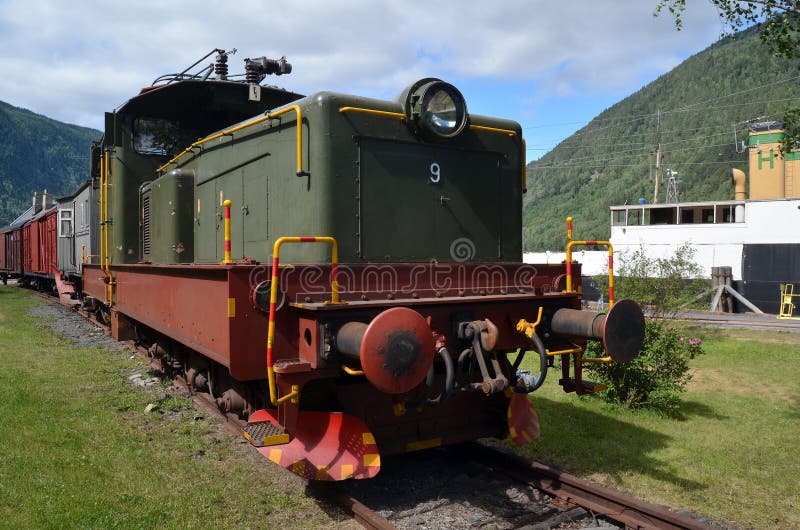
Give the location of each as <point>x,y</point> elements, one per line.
<point>37,153</point>
<point>692,111</point>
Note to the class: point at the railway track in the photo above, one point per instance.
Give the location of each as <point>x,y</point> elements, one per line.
<point>469,486</point>
<point>739,321</point>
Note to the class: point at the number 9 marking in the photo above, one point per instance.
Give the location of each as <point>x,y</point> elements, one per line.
<point>436,173</point>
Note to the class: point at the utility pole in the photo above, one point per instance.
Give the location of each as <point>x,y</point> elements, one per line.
<point>658,172</point>
<point>658,155</point>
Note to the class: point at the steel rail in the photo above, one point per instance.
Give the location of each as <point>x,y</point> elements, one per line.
<point>362,514</point>
<point>632,512</point>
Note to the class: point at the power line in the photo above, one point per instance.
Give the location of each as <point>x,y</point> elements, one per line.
<point>684,108</point>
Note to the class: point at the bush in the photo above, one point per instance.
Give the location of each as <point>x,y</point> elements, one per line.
<point>656,377</point>
<point>662,286</point>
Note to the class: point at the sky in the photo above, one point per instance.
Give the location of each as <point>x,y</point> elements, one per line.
<point>551,66</point>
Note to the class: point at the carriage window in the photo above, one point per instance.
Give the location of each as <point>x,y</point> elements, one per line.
<point>65,223</point>
<point>154,136</point>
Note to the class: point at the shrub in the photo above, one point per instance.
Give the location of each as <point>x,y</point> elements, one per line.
<point>662,286</point>
<point>656,377</point>
<point>659,374</point>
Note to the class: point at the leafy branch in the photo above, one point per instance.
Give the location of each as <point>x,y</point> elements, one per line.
<point>779,20</point>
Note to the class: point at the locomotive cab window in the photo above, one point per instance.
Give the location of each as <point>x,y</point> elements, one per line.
<point>156,136</point>
<point>65,223</point>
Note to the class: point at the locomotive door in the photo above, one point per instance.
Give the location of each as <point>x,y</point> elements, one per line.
<point>255,218</point>
<point>419,202</point>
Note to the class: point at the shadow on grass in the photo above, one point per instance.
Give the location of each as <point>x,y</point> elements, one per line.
<point>690,409</point>
<point>584,442</point>
<point>793,410</point>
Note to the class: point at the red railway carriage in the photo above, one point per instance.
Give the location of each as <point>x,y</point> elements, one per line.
<point>11,253</point>
<point>4,258</point>
<point>39,251</point>
<point>11,244</point>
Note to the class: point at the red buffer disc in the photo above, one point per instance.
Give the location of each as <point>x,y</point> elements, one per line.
<point>397,350</point>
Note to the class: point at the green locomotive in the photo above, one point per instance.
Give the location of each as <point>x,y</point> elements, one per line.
<point>345,272</point>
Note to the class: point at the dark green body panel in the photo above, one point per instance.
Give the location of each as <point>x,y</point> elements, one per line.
<point>168,219</point>
<point>369,186</point>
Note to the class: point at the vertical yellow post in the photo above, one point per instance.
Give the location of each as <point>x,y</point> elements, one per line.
<point>83,254</point>
<point>227,206</point>
<point>569,229</point>
<point>610,276</point>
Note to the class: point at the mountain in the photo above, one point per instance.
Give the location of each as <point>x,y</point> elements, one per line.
<point>692,111</point>
<point>39,153</point>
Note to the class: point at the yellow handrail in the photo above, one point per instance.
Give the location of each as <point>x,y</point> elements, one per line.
<point>401,116</point>
<point>524,169</point>
<point>256,121</point>
<point>509,132</point>
<point>610,265</point>
<point>386,113</point>
<point>571,243</point>
<point>105,262</point>
<point>273,299</point>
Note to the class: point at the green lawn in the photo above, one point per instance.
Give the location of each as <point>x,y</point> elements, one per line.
<point>731,453</point>
<point>77,449</point>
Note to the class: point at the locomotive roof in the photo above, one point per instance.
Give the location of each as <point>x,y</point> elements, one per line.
<point>222,98</point>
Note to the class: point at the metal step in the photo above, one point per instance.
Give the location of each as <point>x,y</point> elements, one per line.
<point>265,434</point>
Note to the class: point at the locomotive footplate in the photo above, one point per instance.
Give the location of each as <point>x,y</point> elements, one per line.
<point>265,434</point>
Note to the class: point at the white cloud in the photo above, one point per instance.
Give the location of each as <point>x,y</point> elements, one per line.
<point>75,60</point>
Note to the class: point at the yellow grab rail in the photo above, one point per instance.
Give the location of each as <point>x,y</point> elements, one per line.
<point>571,243</point>
<point>105,261</point>
<point>256,121</point>
<point>508,132</point>
<point>524,168</point>
<point>401,116</point>
<point>273,301</point>
<point>386,113</point>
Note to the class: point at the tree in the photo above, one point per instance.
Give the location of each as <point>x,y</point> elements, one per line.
<point>779,22</point>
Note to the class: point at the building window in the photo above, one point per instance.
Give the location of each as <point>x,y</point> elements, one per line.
<point>618,218</point>
<point>65,223</point>
<point>708,215</point>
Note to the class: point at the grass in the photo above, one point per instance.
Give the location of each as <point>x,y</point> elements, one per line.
<point>77,449</point>
<point>730,453</point>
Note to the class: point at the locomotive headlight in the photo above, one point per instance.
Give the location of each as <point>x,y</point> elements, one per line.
<point>435,108</point>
